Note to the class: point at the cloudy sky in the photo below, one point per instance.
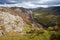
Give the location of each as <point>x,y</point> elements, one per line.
<point>29,3</point>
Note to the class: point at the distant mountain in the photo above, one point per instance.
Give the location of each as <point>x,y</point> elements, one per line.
<point>50,10</point>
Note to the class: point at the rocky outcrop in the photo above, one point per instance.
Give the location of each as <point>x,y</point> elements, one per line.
<point>22,12</point>
<point>9,22</point>
<point>14,19</point>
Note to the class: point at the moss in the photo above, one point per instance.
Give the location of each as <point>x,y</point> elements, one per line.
<point>27,28</point>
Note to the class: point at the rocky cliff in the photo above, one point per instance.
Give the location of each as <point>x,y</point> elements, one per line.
<point>14,19</point>
<point>22,12</point>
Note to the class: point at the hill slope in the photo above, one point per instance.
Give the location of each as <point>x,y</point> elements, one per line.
<point>49,10</point>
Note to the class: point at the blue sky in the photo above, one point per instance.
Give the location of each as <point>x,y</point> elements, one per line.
<point>29,3</point>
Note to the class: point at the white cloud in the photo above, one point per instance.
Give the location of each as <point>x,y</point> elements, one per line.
<point>31,3</point>
<point>12,1</point>
<point>25,5</point>
<point>42,1</point>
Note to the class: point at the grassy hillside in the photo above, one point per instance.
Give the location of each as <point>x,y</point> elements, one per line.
<point>49,31</point>
<point>35,34</point>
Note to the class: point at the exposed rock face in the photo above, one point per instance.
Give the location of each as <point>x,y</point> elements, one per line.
<point>1,32</point>
<point>9,22</point>
<point>22,12</point>
<point>14,19</point>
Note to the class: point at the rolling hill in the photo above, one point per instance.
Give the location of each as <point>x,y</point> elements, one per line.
<point>49,10</point>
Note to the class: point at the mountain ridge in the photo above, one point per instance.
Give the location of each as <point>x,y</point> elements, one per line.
<point>51,10</point>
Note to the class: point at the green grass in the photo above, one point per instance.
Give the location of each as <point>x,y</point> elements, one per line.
<point>35,34</point>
